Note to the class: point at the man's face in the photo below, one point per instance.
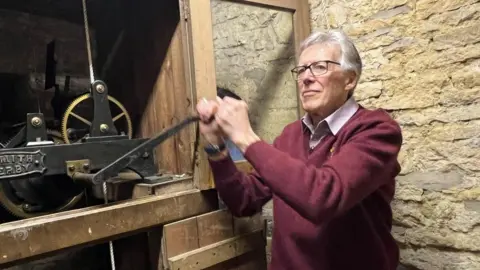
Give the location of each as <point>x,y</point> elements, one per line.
<point>323,94</point>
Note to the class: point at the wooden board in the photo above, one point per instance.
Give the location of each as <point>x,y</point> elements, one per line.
<point>207,235</point>
<point>203,61</point>
<point>160,78</point>
<point>176,184</point>
<point>218,252</point>
<point>290,5</point>
<point>39,236</point>
<point>204,76</point>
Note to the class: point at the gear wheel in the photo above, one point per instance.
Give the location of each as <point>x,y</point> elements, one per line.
<point>118,110</point>
<point>19,197</point>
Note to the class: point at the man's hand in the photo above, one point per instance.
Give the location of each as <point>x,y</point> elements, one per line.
<point>232,117</point>
<point>209,129</point>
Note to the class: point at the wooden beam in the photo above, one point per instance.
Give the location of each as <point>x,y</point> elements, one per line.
<point>279,4</point>
<point>218,252</point>
<point>43,235</point>
<point>301,30</point>
<point>161,93</point>
<point>175,184</point>
<point>204,76</point>
<point>192,234</point>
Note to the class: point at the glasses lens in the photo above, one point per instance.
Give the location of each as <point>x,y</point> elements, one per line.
<point>319,68</point>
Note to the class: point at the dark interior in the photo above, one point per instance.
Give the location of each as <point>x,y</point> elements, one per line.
<point>129,41</point>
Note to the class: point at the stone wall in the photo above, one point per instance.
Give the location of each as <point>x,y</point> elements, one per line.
<point>253,55</point>
<point>422,63</point>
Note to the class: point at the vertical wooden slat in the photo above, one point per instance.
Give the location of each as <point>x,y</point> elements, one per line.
<point>182,99</point>
<point>180,237</point>
<point>204,77</point>
<point>301,28</point>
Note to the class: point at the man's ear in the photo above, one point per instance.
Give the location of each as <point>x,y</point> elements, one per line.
<point>351,81</point>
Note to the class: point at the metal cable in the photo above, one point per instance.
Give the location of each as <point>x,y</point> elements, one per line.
<point>110,243</point>
<point>87,37</point>
<point>92,79</point>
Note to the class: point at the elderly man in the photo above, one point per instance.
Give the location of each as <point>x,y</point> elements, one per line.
<point>331,174</point>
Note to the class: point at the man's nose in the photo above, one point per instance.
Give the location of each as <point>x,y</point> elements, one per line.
<point>307,78</point>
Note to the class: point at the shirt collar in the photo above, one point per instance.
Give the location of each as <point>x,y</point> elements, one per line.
<point>337,119</point>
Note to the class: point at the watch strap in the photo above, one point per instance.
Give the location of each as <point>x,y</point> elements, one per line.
<point>213,149</point>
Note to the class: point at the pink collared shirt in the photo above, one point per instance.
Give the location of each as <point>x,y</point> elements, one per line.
<point>333,123</point>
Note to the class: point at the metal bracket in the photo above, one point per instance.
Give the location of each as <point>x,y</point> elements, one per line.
<point>77,166</point>
<point>102,124</point>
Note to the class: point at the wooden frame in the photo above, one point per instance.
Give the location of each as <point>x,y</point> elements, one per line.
<point>203,60</point>
<point>216,239</point>
<point>38,237</point>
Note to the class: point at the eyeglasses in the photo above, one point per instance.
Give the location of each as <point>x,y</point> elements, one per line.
<point>316,68</point>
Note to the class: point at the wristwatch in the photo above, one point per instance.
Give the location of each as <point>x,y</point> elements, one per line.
<point>213,149</point>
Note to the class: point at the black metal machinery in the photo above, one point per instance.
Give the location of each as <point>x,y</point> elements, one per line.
<point>45,171</point>
<point>50,166</point>
<point>97,157</point>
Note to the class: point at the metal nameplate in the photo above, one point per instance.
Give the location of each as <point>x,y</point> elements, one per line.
<point>15,164</point>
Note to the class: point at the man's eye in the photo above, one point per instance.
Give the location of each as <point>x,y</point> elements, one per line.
<point>319,67</point>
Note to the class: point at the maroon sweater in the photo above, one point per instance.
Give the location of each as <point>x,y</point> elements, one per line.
<point>331,205</point>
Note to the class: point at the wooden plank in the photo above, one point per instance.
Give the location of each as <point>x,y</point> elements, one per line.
<point>213,227</point>
<point>253,260</point>
<point>204,76</point>
<point>216,253</point>
<point>182,101</point>
<point>180,237</point>
<point>301,30</point>
<point>161,96</point>
<point>174,186</point>
<point>279,4</point>
<point>186,235</point>
<point>38,236</point>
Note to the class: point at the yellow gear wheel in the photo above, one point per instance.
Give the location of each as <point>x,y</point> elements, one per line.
<point>8,202</point>
<point>83,98</point>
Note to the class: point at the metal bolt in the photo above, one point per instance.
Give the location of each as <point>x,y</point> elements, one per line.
<point>71,167</point>
<point>36,121</point>
<point>85,166</point>
<point>103,127</point>
<point>100,88</point>
<point>145,155</point>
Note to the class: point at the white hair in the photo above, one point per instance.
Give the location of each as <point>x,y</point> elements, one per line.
<point>349,60</point>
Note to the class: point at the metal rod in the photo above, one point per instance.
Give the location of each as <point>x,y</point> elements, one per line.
<point>124,161</point>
